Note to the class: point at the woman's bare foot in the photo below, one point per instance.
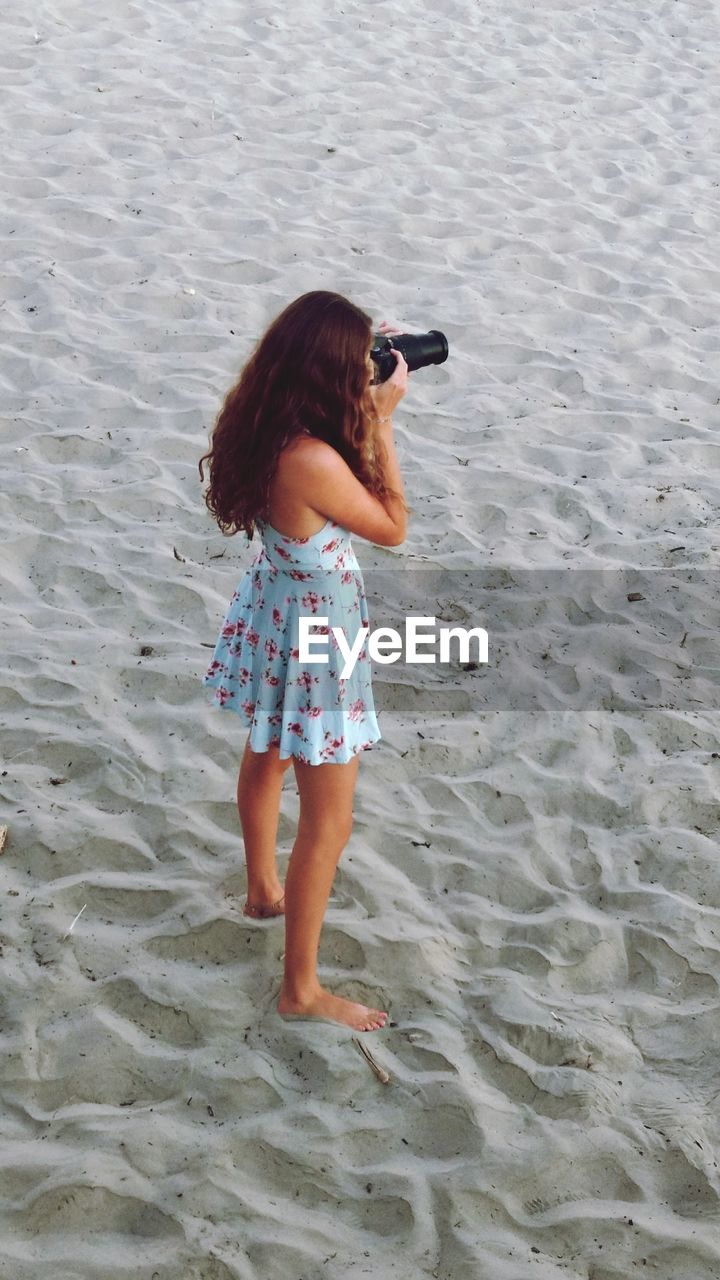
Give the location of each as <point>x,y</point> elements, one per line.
<point>265,903</point>
<point>325,1005</point>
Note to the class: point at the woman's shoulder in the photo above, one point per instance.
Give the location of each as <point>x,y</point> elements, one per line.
<point>305,466</point>
<point>309,451</point>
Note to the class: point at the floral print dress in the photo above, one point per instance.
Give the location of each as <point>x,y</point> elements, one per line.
<point>308,710</point>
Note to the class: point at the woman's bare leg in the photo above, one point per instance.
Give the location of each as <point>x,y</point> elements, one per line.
<point>326,796</point>
<point>258,797</point>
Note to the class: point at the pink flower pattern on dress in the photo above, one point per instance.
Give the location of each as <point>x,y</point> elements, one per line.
<point>307,710</point>
<point>306,681</point>
<point>312,601</point>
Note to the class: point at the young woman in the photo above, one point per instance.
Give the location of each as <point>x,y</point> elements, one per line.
<point>303,449</point>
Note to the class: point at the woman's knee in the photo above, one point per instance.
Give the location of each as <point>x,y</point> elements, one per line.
<point>326,802</point>
<point>327,831</point>
<point>343,830</point>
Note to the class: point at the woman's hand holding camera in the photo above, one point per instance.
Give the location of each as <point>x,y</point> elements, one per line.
<point>387,395</point>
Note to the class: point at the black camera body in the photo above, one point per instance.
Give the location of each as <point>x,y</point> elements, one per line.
<point>419,350</point>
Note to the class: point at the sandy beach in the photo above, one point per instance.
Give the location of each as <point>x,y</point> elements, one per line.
<point>532,885</point>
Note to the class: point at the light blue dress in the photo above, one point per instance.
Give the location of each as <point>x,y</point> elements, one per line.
<point>308,710</point>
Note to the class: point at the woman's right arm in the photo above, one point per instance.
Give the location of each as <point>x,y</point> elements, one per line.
<point>337,493</point>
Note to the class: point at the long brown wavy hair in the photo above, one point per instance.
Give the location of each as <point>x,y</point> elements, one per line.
<point>309,370</point>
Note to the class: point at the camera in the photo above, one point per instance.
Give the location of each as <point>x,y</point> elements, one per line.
<point>419,350</point>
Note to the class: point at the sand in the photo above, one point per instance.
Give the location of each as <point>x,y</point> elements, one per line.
<point>531,888</point>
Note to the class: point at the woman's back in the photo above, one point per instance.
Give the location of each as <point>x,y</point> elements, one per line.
<point>289,511</point>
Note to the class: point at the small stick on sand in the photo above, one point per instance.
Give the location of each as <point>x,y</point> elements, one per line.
<point>3,838</point>
<point>72,926</point>
<point>381,1074</point>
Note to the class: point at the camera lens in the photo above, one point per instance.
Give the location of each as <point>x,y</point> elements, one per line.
<point>419,350</point>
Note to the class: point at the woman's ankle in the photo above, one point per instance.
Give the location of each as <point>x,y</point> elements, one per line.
<point>260,889</point>
<point>300,992</point>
